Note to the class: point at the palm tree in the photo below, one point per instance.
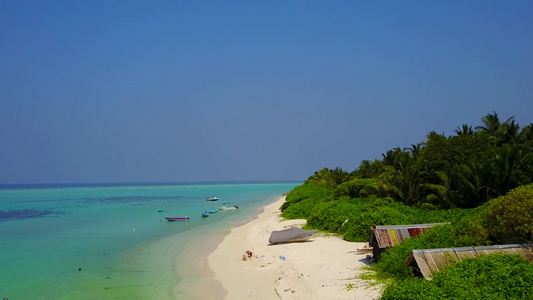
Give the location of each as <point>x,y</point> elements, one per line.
<point>509,133</point>
<point>328,178</point>
<point>526,138</point>
<point>439,190</point>
<point>501,133</point>
<point>364,170</point>
<point>414,183</point>
<point>338,176</point>
<point>504,162</point>
<point>478,183</point>
<point>397,158</point>
<point>491,123</point>
<point>389,158</point>
<point>391,184</point>
<point>465,130</point>
<point>415,150</point>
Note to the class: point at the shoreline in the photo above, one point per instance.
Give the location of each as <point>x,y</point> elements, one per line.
<point>323,267</point>
<point>197,279</point>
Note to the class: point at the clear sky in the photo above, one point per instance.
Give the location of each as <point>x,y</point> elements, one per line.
<point>165,91</point>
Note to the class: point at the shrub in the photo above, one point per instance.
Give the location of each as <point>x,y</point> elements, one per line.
<point>315,204</point>
<point>509,218</point>
<point>357,188</point>
<point>484,278</point>
<point>361,214</point>
<point>303,199</point>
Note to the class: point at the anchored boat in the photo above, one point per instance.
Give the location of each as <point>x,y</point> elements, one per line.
<point>177,219</point>
<point>234,207</point>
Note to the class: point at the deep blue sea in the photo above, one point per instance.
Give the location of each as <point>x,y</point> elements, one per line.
<point>111,242</point>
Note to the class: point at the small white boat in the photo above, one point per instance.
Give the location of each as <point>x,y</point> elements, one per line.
<point>234,207</point>
<point>211,199</point>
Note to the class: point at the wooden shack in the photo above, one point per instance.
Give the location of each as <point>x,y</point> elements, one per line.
<point>384,237</point>
<point>427,261</point>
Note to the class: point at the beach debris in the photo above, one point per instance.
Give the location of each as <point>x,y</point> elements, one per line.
<point>345,221</point>
<point>366,249</point>
<point>248,255</point>
<point>283,258</point>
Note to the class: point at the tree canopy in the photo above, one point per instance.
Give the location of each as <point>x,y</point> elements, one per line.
<point>464,170</point>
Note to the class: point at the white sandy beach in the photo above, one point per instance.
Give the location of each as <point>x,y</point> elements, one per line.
<point>324,267</point>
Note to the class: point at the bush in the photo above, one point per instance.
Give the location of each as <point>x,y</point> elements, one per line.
<point>484,278</point>
<point>314,203</point>
<point>303,199</point>
<point>361,214</point>
<point>357,188</point>
<point>509,218</point>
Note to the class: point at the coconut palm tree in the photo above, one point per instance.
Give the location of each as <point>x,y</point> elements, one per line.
<point>368,169</point>
<point>492,123</point>
<point>477,183</point>
<point>505,160</point>
<point>509,133</point>
<point>415,150</point>
<point>465,130</point>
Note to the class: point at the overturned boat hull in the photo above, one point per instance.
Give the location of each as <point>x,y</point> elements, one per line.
<point>291,235</point>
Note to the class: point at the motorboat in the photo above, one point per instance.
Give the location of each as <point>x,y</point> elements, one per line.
<point>177,219</point>
<point>211,199</point>
<point>234,207</point>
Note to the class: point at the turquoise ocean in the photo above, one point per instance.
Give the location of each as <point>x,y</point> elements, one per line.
<point>111,242</point>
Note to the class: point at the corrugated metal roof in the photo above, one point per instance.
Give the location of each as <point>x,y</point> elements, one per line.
<point>392,235</point>
<point>426,261</point>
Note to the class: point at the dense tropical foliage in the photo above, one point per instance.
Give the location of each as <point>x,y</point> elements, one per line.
<point>464,170</point>
<point>479,181</point>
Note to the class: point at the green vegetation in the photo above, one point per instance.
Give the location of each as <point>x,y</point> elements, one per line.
<point>508,218</point>
<point>353,217</point>
<point>489,277</point>
<point>478,181</point>
<point>464,170</point>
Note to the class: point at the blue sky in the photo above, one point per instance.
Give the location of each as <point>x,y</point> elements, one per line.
<point>152,91</point>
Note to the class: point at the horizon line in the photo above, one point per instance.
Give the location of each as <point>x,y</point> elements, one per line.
<point>146,183</point>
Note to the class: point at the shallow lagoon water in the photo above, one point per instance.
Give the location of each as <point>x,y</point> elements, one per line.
<point>111,242</point>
